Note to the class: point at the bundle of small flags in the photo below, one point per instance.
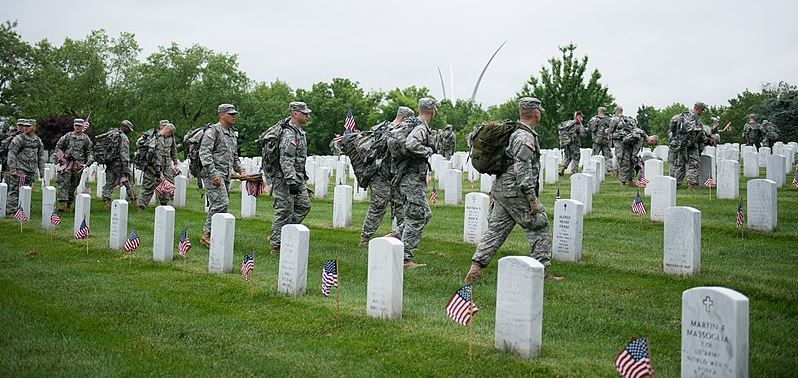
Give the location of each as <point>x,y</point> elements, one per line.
<point>740,214</point>
<point>461,308</point>
<point>184,245</point>
<point>247,265</point>
<point>710,183</point>
<point>55,220</point>
<point>433,197</point>
<point>641,182</point>
<point>256,188</point>
<point>20,215</point>
<point>165,187</point>
<point>329,276</point>
<point>132,242</point>
<point>795,181</point>
<point>634,361</point>
<point>25,181</point>
<point>637,205</point>
<point>83,230</point>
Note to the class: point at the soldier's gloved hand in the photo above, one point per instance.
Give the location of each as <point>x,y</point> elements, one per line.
<point>535,207</point>
<point>216,181</point>
<point>293,189</point>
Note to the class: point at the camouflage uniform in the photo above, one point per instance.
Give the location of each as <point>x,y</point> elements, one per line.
<point>686,135</point>
<point>5,143</point>
<point>446,142</point>
<point>218,153</point>
<point>771,133</point>
<point>752,133</point>
<point>159,166</point>
<point>620,127</point>
<point>513,192</point>
<point>25,155</point>
<point>570,133</point>
<point>78,153</point>
<point>382,192</point>
<point>117,170</point>
<point>290,208</point>
<point>599,128</point>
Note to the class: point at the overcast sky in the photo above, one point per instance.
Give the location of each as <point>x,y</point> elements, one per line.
<point>649,52</point>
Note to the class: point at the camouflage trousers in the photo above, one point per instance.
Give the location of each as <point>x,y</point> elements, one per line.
<point>446,153</point>
<point>603,148</point>
<point>672,161</point>
<point>68,181</point>
<point>288,209</point>
<point>218,199</point>
<point>148,183</point>
<point>381,194</point>
<point>625,162</point>
<point>415,210</point>
<point>506,213</point>
<point>12,196</point>
<point>571,155</point>
<point>113,176</point>
<point>687,159</point>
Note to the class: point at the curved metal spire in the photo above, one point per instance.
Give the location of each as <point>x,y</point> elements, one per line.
<point>443,87</point>
<point>476,87</point>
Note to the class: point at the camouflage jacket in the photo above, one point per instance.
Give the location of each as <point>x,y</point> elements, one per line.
<point>218,152</point>
<point>172,148</point>
<point>620,126</point>
<point>446,140</point>
<point>521,177</point>
<point>76,147</point>
<point>26,154</point>
<point>158,153</point>
<point>599,128</point>
<point>570,132</point>
<point>419,147</point>
<point>124,149</point>
<point>293,154</point>
<point>686,131</point>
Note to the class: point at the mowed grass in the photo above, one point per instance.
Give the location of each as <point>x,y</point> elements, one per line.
<point>68,313</point>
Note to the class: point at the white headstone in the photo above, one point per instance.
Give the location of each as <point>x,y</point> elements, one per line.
<point>292,277</point>
<point>750,163</point>
<point>454,187</point>
<point>3,199</point>
<point>775,169</point>
<point>223,232</point>
<point>118,232</point>
<point>248,202</point>
<point>340,173</point>
<point>552,173</point>
<point>764,152</point>
<point>653,169</point>
<point>310,167</point>
<point>473,174</point>
<point>662,152</point>
<point>84,178</point>
<point>762,205</point>
<point>682,241</point>
<point>322,180</point>
<point>519,306</point>
<point>358,193</point>
<point>164,234</point>
<point>475,219</point>
<point>707,169</point>
<point>342,206</point>
<point>100,182</point>
<point>728,179</point>
<point>123,193</point>
<point>567,235</point>
<point>604,167</point>
<point>590,169</point>
<point>47,176</point>
<point>48,206</point>
<point>181,182</point>
<point>582,190</point>
<point>714,333</point>
<point>24,199</point>
<point>663,196</point>
<point>485,183</point>
<point>82,211</point>
<point>584,156</point>
<point>385,278</point>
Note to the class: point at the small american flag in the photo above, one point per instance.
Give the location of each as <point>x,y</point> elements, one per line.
<point>637,206</point>
<point>87,189</point>
<point>557,198</point>
<point>184,245</point>
<point>20,215</point>
<point>461,308</point>
<point>349,122</point>
<point>83,230</point>
<point>641,182</point>
<point>710,183</point>
<point>256,188</point>
<point>25,181</point>
<point>132,242</point>
<point>164,187</point>
<point>433,197</point>
<point>338,138</point>
<point>634,361</point>
<point>247,265</point>
<point>329,276</point>
<point>795,181</point>
<point>55,220</point>
<point>86,123</point>
<point>740,214</point>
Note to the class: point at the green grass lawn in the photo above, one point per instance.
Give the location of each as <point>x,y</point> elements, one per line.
<point>66,312</point>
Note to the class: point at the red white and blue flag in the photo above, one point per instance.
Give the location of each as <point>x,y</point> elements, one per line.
<point>637,205</point>
<point>184,245</point>
<point>164,187</point>
<point>329,276</point>
<point>795,181</point>
<point>83,230</point>
<point>433,197</point>
<point>20,215</point>
<point>55,220</point>
<point>710,183</point>
<point>740,218</point>
<point>641,182</point>
<point>132,242</point>
<point>461,307</point>
<point>634,360</point>
<point>349,122</point>
<point>247,265</point>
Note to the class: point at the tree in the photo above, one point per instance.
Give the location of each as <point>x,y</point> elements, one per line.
<point>261,108</point>
<point>14,56</point>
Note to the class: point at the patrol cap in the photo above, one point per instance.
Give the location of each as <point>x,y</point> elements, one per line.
<point>701,106</point>
<point>163,122</point>
<point>78,122</point>
<point>299,106</point>
<point>25,122</point>
<point>427,103</point>
<point>32,121</point>
<point>449,127</point>
<point>128,124</point>
<point>530,103</point>
<point>577,113</point>
<point>404,111</point>
<point>227,108</point>
<point>602,109</point>
<point>752,115</point>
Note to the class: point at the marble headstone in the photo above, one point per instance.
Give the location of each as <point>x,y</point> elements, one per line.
<point>519,306</point>
<point>322,180</point>
<point>652,169</point>
<point>292,278</point>
<point>682,241</point>
<point>181,183</point>
<point>48,206</point>
<point>762,205</point>
<point>454,187</point>
<point>475,220</point>
<point>342,206</point>
<point>567,234</point>
<point>118,231</point>
<point>82,211</point>
<point>385,278</point>
<point>486,183</point>
<point>3,199</point>
<point>728,179</point>
<point>775,169</point>
<point>663,195</point>
<point>164,234</point>
<point>223,232</point>
<point>24,200</point>
<point>582,190</point>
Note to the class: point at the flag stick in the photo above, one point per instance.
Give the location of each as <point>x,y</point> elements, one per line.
<point>337,293</point>
<point>20,227</point>
<point>471,304</point>
<point>87,244</point>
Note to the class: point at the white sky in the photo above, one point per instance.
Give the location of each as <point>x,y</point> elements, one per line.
<point>652,52</point>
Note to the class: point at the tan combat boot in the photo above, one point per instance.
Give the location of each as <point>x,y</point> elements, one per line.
<point>62,206</point>
<point>473,273</point>
<point>550,277</point>
<point>206,239</point>
<point>106,204</point>
<point>562,171</point>
<point>692,186</point>
<point>364,241</point>
<point>276,251</point>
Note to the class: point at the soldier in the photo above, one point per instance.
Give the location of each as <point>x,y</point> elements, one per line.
<point>5,143</point>
<point>570,133</point>
<point>381,191</point>
<point>515,194</point>
<point>410,175</point>
<point>771,133</point>
<point>632,145</point>
<point>599,127</point>
<point>688,134</point>
<point>335,145</point>
<point>620,127</point>
<point>73,152</point>
<point>752,132</point>
<point>117,170</point>
<point>291,199</point>
<point>25,154</point>
<point>159,166</point>
<point>446,142</point>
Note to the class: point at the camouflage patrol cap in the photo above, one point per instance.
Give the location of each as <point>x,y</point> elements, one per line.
<point>78,122</point>
<point>448,127</point>
<point>530,103</point>
<point>226,108</point>
<point>32,121</point>
<point>701,105</point>
<point>404,111</point>
<point>752,115</point>
<point>602,109</point>
<point>24,122</point>
<point>127,124</point>
<point>427,103</point>
<point>163,122</point>
<point>299,106</point>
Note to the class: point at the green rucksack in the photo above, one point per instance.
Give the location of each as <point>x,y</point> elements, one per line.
<point>269,142</point>
<point>487,146</point>
<point>396,137</point>
<point>191,144</point>
<point>4,145</point>
<point>142,147</point>
<point>367,151</point>
<point>106,146</point>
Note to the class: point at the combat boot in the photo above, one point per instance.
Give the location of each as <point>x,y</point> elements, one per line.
<point>62,206</point>
<point>692,186</point>
<point>473,273</point>
<point>551,277</point>
<point>276,251</point>
<point>206,239</point>
<point>562,171</point>
<point>106,204</point>
<point>364,241</point>
<point>390,235</point>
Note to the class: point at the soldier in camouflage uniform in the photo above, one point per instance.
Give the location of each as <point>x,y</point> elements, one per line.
<point>218,153</point>
<point>117,169</point>
<point>687,136</point>
<point>5,143</point>
<point>159,166</point>
<point>290,193</point>
<point>771,133</point>
<point>25,155</point>
<point>571,133</point>
<point>410,175</point>
<point>599,127</point>
<point>446,142</point>
<point>620,127</point>
<point>515,194</point>
<point>380,185</point>
<point>752,132</point>
<point>74,151</point>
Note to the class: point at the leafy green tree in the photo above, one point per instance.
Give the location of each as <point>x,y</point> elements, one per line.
<point>14,60</point>
<point>261,108</point>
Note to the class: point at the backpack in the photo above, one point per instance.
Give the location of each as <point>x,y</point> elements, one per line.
<point>142,147</point>
<point>488,144</point>
<point>564,132</point>
<point>4,144</point>
<point>269,142</point>
<point>396,137</point>
<point>106,147</point>
<point>191,144</point>
<point>367,151</point>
